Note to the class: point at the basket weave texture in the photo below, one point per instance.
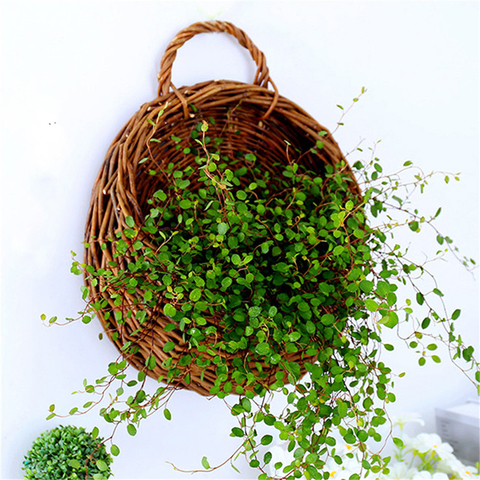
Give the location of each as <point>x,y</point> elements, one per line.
<point>249,118</point>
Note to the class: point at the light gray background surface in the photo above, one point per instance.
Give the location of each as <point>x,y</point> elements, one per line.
<point>73,72</point>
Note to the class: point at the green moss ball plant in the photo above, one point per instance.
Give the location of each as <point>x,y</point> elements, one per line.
<point>67,452</point>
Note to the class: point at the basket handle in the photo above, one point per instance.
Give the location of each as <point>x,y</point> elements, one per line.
<point>262,76</point>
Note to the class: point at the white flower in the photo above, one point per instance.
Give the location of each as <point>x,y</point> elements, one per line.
<point>469,472</point>
<point>400,471</point>
<point>449,464</point>
<point>402,420</point>
<point>427,475</point>
<point>456,468</point>
<point>431,442</point>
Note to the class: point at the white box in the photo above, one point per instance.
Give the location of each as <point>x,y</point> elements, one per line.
<point>460,427</point>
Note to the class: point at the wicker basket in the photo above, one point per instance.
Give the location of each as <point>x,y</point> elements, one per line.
<point>248,117</point>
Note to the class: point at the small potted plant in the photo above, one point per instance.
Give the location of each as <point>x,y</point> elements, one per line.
<point>68,452</point>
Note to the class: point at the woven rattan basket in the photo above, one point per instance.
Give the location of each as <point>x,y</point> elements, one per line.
<point>248,117</point>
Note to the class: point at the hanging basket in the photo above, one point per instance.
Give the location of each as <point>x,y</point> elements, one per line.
<point>249,118</point>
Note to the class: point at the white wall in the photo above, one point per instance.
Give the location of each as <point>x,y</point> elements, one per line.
<point>72,74</point>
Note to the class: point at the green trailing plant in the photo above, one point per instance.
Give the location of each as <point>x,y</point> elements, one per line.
<point>68,452</point>
<point>295,276</point>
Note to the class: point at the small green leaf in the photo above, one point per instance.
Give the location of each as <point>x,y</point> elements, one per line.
<point>413,226</point>
<point>241,195</point>
<point>185,204</point>
<point>398,442</point>
<point>467,353</point>
<point>266,440</point>
<point>263,348</point>
<point>371,305</point>
<point>338,250</point>
<point>169,310</point>
<point>205,463</point>
<point>294,336</point>
<point>131,429</point>
<point>167,414</point>
<point>101,465</point>
<point>366,286</point>
<point>456,314</point>
<point>327,319</point>
<point>161,195</point>
<point>236,432</point>
<point>74,463</point>
<point>130,221</point>
<point>272,311</point>
<point>390,320</point>
<point>183,184</point>
<point>222,228</point>
<point>310,327</point>
<point>114,450</point>
<point>254,312</point>
<point>420,298</point>
<point>195,295</point>
<point>151,362</point>
<point>246,404</point>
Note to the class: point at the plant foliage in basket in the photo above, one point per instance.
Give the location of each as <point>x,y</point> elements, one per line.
<point>248,271</point>
<point>246,268</point>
